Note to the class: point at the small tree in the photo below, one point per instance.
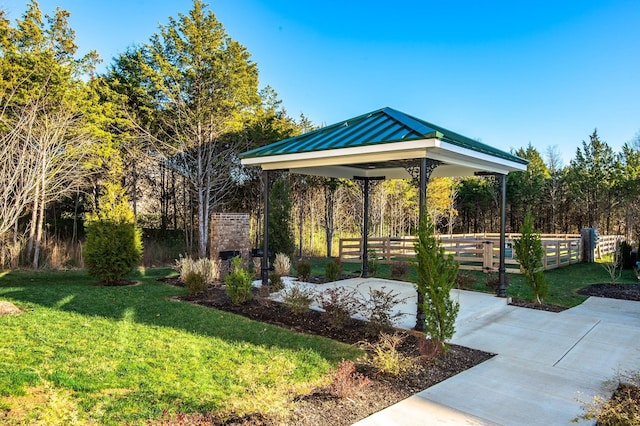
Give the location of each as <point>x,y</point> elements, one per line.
<point>529,251</point>
<point>437,274</point>
<point>114,242</point>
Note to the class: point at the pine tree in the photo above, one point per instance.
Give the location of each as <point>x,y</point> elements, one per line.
<point>437,274</point>
<point>530,251</point>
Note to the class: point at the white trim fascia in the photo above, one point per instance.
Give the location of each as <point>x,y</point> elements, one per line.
<point>343,156</point>
<point>501,163</point>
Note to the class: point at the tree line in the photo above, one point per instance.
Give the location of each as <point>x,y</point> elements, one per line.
<point>167,121</point>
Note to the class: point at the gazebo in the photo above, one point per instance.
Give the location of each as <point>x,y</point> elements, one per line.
<point>385,144</point>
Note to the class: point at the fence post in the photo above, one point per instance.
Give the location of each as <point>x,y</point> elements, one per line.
<point>588,240</point>
<point>487,263</point>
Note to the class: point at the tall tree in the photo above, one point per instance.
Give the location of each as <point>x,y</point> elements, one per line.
<point>591,179</point>
<point>204,86</point>
<point>46,107</point>
<point>526,189</point>
<point>628,185</point>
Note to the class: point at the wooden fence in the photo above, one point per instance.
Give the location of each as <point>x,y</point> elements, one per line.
<point>472,251</point>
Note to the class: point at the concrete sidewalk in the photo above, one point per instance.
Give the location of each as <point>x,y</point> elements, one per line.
<point>545,362</point>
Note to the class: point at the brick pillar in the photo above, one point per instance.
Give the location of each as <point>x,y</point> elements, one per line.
<point>230,232</point>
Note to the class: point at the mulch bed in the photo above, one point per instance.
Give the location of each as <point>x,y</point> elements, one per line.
<point>539,306</point>
<point>613,291</point>
<point>321,407</point>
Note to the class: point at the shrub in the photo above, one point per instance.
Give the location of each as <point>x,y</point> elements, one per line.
<point>379,310</point>
<point>198,274</point>
<point>622,409</point>
<point>437,274</point>
<point>373,262</point>
<point>386,356</point>
<point>333,269</point>
<point>340,304</point>
<point>492,281</point>
<point>428,349</point>
<point>613,265</point>
<point>303,268</point>
<point>298,298</point>
<point>239,282</point>
<point>114,242</point>
<point>625,255</point>
<point>257,267</point>
<point>275,282</point>
<point>399,269</point>
<point>466,281</point>
<point>282,265</point>
<point>529,251</point>
<point>194,283</point>
<point>346,381</point>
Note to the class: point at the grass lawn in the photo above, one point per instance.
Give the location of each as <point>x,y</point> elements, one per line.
<point>82,354</point>
<point>564,282</point>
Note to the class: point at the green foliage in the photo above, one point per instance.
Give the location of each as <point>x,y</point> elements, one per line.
<point>303,268</point>
<point>530,251</point>
<point>625,255</point>
<point>298,298</point>
<point>114,242</point>
<point>275,282</point>
<point>195,283</point>
<point>280,234</point>
<point>386,356</point>
<point>333,269</point>
<point>590,180</point>
<point>373,263</point>
<point>239,282</point>
<point>437,274</point>
<point>138,351</point>
<point>526,189</point>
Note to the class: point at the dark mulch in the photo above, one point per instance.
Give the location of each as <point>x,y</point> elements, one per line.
<point>539,306</point>
<point>321,279</point>
<point>613,291</point>
<point>322,407</point>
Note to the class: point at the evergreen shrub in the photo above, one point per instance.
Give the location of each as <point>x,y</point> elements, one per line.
<point>114,242</point>
<point>239,282</point>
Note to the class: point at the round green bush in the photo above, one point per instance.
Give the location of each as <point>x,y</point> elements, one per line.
<point>112,249</point>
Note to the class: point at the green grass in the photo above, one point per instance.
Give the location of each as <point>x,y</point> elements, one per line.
<point>114,355</point>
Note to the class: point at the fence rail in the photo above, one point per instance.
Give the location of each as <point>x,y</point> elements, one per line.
<point>479,252</point>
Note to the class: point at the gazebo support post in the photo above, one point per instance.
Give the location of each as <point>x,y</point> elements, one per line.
<point>365,230</point>
<point>427,166</point>
<point>264,270</point>
<point>502,181</point>
<point>365,225</point>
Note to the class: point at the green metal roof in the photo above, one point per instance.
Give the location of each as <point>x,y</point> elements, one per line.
<point>383,126</point>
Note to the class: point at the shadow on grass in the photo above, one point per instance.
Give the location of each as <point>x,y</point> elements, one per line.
<point>150,303</point>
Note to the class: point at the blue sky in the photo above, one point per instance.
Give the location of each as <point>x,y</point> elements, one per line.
<point>507,73</point>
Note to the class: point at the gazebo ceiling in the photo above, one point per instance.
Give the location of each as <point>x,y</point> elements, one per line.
<point>381,144</point>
